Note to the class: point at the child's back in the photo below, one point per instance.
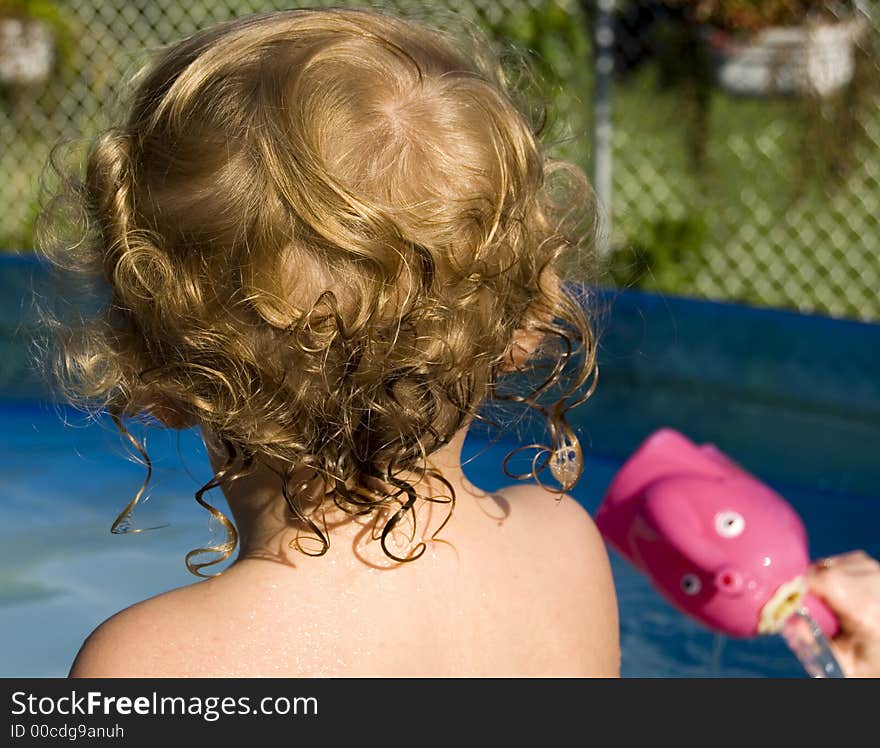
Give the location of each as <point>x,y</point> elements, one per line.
<point>527,595</point>
<point>327,238</point>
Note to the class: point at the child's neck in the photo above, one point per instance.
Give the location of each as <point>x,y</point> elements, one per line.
<point>266,528</point>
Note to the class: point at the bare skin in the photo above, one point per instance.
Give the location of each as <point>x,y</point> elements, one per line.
<point>517,584</point>
<point>850,584</point>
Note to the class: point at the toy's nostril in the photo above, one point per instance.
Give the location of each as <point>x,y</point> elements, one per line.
<point>728,580</point>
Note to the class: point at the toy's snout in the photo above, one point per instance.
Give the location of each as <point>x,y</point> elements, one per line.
<point>729,581</point>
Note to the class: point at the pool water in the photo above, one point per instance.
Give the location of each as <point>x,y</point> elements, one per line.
<point>793,398</point>
<point>63,572</point>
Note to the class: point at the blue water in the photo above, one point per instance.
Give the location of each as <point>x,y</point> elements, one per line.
<point>63,572</point>
<point>794,398</point>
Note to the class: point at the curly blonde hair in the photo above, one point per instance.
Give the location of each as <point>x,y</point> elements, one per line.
<point>318,232</point>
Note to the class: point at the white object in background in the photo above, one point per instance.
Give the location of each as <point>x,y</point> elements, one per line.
<point>787,59</point>
<point>27,50</point>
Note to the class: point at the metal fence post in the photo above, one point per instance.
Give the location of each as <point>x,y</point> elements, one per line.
<point>602,126</point>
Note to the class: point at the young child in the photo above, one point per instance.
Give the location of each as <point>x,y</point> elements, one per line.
<point>328,238</point>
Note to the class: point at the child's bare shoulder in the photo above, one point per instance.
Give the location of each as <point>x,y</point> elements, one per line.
<point>556,519</point>
<point>561,543</point>
<point>141,640</point>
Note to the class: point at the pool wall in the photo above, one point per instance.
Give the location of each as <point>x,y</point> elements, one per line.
<point>712,370</point>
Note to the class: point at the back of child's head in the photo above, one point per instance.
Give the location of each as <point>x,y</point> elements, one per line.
<point>319,233</point>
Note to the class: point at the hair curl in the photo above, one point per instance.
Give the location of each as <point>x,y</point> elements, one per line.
<point>317,232</point>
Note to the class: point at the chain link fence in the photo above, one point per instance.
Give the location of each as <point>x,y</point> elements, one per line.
<point>732,183</point>
<point>766,199</point>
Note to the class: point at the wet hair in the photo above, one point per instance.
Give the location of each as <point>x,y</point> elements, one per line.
<point>319,233</point>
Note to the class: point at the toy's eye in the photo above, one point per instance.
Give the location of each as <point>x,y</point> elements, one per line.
<point>729,524</point>
<point>691,584</point>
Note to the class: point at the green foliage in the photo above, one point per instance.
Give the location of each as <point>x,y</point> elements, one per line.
<point>661,254</point>
<point>546,51</point>
<point>550,30</point>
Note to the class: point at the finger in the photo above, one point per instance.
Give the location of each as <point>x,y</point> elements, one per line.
<point>826,584</point>
<point>852,562</point>
<point>820,565</point>
<point>853,559</point>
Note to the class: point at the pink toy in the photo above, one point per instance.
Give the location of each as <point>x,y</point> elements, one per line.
<point>716,542</point>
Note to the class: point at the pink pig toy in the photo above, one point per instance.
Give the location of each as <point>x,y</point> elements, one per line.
<point>716,542</point>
